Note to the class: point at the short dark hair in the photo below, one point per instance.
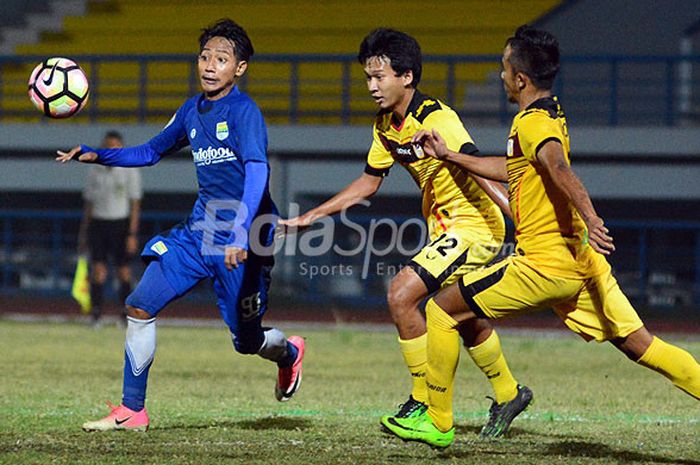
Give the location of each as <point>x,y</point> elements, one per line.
<point>535,53</point>
<point>401,49</point>
<point>114,135</point>
<point>229,29</point>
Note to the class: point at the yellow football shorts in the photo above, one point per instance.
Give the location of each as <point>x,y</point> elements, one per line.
<point>452,254</point>
<point>593,308</point>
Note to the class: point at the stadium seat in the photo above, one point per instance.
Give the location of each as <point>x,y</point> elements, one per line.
<point>133,27</point>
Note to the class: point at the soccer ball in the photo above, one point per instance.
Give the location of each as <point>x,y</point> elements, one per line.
<point>58,87</point>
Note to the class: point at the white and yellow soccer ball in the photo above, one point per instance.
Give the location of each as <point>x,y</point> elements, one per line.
<point>58,87</point>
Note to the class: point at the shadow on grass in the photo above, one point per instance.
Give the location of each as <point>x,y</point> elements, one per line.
<point>276,423</point>
<point>472,432</point>
<point>602,451</point>
<point>267,423</point>
<point>467,429</point>
<point>567,448</point>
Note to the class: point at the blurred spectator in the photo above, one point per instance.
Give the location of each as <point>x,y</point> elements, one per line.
<point>110,225</point>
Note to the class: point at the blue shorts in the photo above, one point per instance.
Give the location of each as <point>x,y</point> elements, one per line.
<point>177,264</point>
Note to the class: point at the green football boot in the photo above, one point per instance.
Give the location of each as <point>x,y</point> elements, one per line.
<point>420,428</point>
<point>501,415</point>
<point>408,409</point>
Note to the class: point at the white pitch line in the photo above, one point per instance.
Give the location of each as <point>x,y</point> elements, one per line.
<point>537,333</point>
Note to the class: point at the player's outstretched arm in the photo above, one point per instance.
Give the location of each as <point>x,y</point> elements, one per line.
<point>360,189</point>
<point>551,155</point>
<point>86,157</point>
<point>434,144</point>
<point>140,155</point>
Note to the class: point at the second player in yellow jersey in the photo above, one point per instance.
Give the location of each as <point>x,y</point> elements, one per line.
<point>466,228</point>
<point>561,243</point>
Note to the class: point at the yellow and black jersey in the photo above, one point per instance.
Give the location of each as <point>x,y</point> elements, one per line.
<point>450,195</point>
<point>549,230</point>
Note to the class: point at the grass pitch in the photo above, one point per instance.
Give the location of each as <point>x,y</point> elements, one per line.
<point>209,405</point>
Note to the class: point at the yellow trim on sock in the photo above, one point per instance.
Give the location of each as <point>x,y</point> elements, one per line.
<point>675,364</point>
<point>488,356</point>
<point>411,345</point>
<point>443,357</point>
<point>439,316</point>
<point>415,357</point>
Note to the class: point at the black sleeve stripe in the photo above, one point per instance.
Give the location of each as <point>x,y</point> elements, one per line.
<point>372,171</point>
<point>541,144</point>
<point>469,148</point>
<point>427,110</point>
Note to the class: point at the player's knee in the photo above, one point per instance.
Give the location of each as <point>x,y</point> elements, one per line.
<point>401,297</point>
<point>475,331</point>
<point>137,313</point>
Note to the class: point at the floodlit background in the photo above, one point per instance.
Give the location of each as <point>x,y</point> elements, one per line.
<point>630,85</point>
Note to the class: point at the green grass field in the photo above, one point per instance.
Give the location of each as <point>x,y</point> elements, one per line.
<point>209,405</point>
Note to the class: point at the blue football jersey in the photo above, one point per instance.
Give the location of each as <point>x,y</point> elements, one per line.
<point>223,135</point>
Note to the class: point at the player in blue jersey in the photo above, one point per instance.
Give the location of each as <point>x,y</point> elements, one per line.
<point>221,238</point>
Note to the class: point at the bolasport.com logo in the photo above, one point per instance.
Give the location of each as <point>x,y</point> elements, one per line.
<point>355,241</point>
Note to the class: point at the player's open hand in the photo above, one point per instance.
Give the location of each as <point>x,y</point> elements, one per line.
<point>86,157</point>
<point>234,256</point>
<point>432,142</point>
<point>598,236</point>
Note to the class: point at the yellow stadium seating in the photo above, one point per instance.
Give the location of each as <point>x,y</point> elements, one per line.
<point>136,27</point>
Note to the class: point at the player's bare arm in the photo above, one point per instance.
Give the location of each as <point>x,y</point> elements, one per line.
<point>434,145</point>
<point>496,191</point>
<point>360,189</point>
<point>551,155</point>
<point>68,156</point>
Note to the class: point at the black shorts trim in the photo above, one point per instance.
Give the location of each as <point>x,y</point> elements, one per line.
<point>434,283</point>
<point>454,266</point>
<point>430,281</point>
<point>468,292</point>
<point>372,171</point>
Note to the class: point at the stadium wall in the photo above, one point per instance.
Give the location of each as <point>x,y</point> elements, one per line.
<point>613,162</point>
<point>642,27</point>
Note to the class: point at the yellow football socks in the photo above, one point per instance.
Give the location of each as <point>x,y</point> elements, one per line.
<point>415,355</point>
<point>443,357</point>
<point>675,364</point>
<point>488,356</point>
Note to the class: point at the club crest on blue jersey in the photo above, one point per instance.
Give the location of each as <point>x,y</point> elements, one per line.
<point>221,130</point>
<point>159,248</point>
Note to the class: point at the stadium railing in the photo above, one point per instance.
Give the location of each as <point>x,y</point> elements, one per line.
<point>656,262</point>
<point>294,89</point>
